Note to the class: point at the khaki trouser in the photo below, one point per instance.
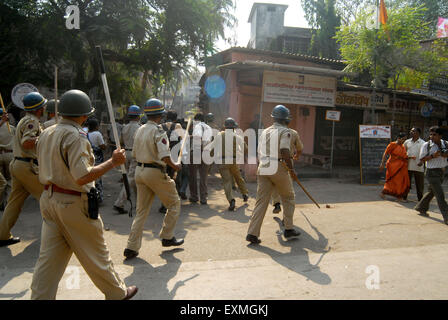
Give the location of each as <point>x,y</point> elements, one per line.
<point>25,181</point>
<point>67,229</point>
<point>266,185</point>
<point>5,160</point>
<point>3,184</point>
<point>131,164</point>
<point>276,197</point>
<point>153,182</point>
<point>229,171</point>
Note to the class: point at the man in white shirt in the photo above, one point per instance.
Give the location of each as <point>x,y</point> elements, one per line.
<point>434,153</point>
<point>201,136</point>
<point>413,147</point>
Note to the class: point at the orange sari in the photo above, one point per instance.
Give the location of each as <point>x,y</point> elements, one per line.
<point>397,178</point>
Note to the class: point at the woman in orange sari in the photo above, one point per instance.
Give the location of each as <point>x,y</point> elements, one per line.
<point>397,178</point>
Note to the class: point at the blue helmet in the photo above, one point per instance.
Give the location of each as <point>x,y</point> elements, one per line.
<point>154,107</point>
<point>280,112</point>
<point>33,101</point>
<point>134,110</point>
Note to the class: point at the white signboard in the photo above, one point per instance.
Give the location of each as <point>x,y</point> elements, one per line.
<point>21,90</point>
<point>333,115</point>
<point>296,88</point>
<point>373,131</point>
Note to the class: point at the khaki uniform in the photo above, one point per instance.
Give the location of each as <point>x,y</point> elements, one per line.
<point>127,137</point>
<point>65,155</point>
<point>24,173</point>
<point>268,182</point>
<point>49,123</point>
<point>151,145</point>
<point>229,168</point>
<point>296,146</point>
<point>6,156</point>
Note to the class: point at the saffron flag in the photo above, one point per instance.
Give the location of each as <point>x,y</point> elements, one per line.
<point>442,28</point>
<point>383,12</point>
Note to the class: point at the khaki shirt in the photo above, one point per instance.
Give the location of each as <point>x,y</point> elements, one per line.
<point>49,123</point>
<point>151,144</point>
<point>28,127</point>
<point>296,143</point>
<point>64,156</point>
<point>283,136</point>
<point>6,138</point>
<point>128,134</point>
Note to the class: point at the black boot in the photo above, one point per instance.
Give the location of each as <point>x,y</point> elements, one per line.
<point>173,242</point>
<point>277,208</point>
<point>232,205</point>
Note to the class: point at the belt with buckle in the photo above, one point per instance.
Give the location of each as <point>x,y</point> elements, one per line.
<point>27,160</point>
<point>5,151</point>
<point>152,165</point>
<point>57,189</point>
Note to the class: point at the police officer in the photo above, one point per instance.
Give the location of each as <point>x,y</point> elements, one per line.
<point>152,152</point>
<point>24,170</point>
<point>297,147</point>
<point>229,152</point>
<point>127,140</point>
<point>69,226</point>
<point>273,175</point>
<point>6,156</point>
<point>51,111</point>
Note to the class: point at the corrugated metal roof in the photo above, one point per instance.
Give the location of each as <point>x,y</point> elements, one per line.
<point>296,56</point>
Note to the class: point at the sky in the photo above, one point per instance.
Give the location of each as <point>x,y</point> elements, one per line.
<point>294,17</point>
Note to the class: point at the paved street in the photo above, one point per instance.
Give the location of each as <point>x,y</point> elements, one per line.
<point>361,247</point>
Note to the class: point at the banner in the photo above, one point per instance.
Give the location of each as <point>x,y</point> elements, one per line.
<point>442,28</point>
<point>359,99</point>
<point>374,131</point>
<point>296,88</point>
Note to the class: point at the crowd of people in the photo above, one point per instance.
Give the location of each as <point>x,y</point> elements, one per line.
<point>415,158</point>
<point>61,164</point>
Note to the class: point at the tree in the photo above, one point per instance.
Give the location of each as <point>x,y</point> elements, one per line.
<point>322,16</point>
<point>393,51</point>
<point>141,40</point>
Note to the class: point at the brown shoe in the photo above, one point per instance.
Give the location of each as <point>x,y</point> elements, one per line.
<point>130,292</point>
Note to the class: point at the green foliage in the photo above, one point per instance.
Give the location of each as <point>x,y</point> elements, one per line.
<point>395,48</point>
<point>144,42</point>
<point>322,16</point>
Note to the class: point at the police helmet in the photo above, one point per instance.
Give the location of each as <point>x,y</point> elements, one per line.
<point>75,103</point>
<point>51,106</point>
<point>280,112</point>
<point>154,107</point>
<point>134,110</point>
<point>210,117</point>
<point>33,101</point>
<point>230,123</point>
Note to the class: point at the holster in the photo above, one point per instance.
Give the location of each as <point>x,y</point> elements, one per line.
<point>93,203</point>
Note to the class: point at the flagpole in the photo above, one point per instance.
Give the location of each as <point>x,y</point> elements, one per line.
<point>373,97</point>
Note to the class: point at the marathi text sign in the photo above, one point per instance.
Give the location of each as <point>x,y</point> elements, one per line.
<point>295,88</point>
<point>361,99</point>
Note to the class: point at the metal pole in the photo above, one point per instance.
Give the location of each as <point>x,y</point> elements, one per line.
<point>56,94</point>
<point>332,148</point>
